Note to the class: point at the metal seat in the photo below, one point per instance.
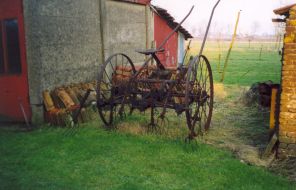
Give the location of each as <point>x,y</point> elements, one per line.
<point>150,51</point>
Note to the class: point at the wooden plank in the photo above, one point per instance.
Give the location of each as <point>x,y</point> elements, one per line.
<point>270,146</point>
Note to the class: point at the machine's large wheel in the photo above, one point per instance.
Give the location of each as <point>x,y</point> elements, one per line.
<point>112,85</point>
<point>199,96</point>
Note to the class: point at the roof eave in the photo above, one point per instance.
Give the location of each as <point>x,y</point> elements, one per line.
<point>284,11</point>
<point>140,2</point>
<point>163,13</point>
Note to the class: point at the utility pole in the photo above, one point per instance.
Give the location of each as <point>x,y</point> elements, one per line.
<point>230,48</point>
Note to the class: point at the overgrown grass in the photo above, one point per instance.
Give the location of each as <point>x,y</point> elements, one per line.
<point>245,66</point>
<point>93,158</point>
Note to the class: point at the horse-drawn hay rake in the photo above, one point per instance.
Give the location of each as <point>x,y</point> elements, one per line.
<point>187,89</point>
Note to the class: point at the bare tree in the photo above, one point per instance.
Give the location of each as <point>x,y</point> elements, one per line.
<point>255,27</point>
<point>254,30</point>
<point>250,38</point>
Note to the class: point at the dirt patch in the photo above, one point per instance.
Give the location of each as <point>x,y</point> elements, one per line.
<point>220,92</point>
<point>244,129</point>
<point>229,138</point>
<point>135,129</point>
<point>239,129</point>
<point>285,167</point>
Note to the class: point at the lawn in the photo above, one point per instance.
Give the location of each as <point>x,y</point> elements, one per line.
<point>245,66</point>
<point>93,158</point>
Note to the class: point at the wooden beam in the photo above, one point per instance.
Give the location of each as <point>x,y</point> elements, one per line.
<point>278,20</point>
<point>269,149</point>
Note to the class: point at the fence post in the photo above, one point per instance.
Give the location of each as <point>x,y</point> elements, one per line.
<point>260,52</point>
<point>230,48</point>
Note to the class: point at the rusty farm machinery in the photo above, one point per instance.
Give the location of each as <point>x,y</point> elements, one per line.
<point>187,89</point>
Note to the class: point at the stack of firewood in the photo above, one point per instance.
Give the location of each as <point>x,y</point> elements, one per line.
<point>62,104</point>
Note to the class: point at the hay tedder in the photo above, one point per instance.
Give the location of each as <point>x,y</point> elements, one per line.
<point>188,89</point>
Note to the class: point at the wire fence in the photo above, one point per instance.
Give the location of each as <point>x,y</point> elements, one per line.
<point>249,62</point>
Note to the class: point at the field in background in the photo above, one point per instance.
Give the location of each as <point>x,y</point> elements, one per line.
<point>245,66</point>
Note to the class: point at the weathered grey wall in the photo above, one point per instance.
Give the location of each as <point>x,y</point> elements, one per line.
<point>125,29</point>
<point>63,43</point>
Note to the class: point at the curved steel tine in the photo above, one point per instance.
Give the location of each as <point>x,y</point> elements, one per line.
<point>208,28</point>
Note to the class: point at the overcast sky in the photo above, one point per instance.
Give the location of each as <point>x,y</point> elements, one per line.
<point>256,15</point>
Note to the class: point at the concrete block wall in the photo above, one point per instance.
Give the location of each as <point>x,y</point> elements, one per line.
<point>63,43</point>
<point>68,40</point>
<point>127,27</point>
<point>287,123</point>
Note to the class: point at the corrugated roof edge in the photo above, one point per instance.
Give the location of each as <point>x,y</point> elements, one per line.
<point>284,11</point>
<point>163,13</point>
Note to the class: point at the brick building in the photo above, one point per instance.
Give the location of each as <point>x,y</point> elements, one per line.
<point>287,114</point>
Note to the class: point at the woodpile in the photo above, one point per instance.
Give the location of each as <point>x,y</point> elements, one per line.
<point>62,103</point>
<point>287,120</point>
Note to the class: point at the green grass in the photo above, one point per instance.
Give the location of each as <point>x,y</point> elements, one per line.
<point>96,159</point>
<point>244,67</point>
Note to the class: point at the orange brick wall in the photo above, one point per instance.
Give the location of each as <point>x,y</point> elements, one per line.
<point>287,123</point>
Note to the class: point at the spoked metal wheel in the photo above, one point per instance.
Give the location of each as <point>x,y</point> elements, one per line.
<point>112,87</point>
<point>161,122</point>
<point>199,96</point>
